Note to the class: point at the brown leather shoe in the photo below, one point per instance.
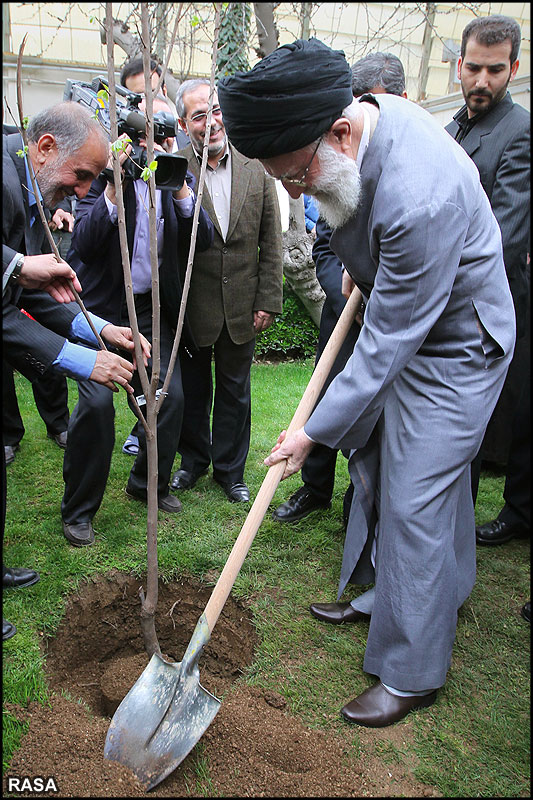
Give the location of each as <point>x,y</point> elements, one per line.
<point>336,613</point>
<point>79,533</point>
<point>376,707</point>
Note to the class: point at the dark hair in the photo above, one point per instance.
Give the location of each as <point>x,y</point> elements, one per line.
<point>135,67</point>
<point>378,69</point>
<point>493,30</point>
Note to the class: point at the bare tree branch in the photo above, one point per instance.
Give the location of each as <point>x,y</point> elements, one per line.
<point>199,195</point>
<point>117,175</point>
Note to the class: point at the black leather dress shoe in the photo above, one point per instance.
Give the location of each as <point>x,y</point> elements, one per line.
<point>59,438</point>
<point>376,707</point>
<point>526,611</point>
<point>8,629</point>
<point>183,479</point>
<point>16,577</point>
<point>9,452</point>
<point>336,613</point>
<point>236,492</point>
<point>169,503</point>
<point>79,534</point>
<point>299,505</point>
<point>498,532</point>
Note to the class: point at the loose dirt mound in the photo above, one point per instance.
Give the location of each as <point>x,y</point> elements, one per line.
<point>253,748</point>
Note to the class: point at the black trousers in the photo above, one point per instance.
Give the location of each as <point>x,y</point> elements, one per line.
<point>91,433</point>
<point>226,447</point>
<point>518,469</point>
<point>517,489</point>
<point>318,470</point>
<point>51,398</point>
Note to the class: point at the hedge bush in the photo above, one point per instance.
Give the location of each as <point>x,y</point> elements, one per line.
<point>293,334</point>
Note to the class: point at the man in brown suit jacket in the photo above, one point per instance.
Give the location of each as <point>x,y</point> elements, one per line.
<point>236,288</point>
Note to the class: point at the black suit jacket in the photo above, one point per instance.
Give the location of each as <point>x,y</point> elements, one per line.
<point>498,144</point>
<point>96,257</point>
<point>29,346</point>
<point>329,275</point>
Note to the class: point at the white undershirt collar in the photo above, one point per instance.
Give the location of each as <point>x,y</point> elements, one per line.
<point>365,138</point>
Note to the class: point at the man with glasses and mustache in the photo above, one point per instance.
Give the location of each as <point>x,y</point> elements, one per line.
<point>415,232</point>
<point>235,291</point>
<point>494,132</point>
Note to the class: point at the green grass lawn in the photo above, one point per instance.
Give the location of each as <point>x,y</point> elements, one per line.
<point>474,742</point>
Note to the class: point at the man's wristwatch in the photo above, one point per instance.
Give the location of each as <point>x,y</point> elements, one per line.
<point>17,269</point>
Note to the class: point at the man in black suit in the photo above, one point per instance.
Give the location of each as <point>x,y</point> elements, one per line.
<point>50,393</point>
<point>378,73</point>
<point>66,150</point>
<point>51,400</point>
<point>96,256</point>
<point>494,131</point>
<point>132,78</point>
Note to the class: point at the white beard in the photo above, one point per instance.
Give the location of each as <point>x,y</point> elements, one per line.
<point>338,188</point>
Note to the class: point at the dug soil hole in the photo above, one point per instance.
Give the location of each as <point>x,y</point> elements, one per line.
<point>253,748</point>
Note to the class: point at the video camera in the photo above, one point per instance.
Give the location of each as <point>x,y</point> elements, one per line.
<point>171,168</point>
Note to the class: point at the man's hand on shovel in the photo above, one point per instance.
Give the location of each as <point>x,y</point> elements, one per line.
<point>295,448</point>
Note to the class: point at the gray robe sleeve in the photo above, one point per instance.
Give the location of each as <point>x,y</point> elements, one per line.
<point>418,258</point>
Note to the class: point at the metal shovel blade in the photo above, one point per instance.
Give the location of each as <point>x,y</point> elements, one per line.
<point>167,711</point>
<point>161,718</point>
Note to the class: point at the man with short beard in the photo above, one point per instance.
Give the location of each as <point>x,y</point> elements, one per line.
<point>416,234</point>
<point>494,132</point>
<point>235,291</point>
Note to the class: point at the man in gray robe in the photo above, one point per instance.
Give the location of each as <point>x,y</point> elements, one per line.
<point>416,233</point>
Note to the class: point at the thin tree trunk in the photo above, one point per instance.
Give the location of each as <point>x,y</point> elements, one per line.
<point>150,422</point>
<point>298,265</point>
<point>153,403</point>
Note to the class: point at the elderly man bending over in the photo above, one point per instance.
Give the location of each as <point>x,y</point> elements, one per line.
<point>416,233</point>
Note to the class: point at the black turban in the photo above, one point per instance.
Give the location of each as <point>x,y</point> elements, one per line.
<point>287,100</point>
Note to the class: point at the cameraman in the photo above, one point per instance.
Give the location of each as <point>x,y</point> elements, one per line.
<point>132,78</point>
<point>96,256</point>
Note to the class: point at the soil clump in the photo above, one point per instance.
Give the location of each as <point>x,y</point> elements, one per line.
<point>253,748</point>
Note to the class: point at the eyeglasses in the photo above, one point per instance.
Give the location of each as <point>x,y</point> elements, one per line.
<point>202,115</point>
<point>301,180</point>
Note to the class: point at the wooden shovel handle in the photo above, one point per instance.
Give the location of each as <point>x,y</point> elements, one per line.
<point>273,477</point>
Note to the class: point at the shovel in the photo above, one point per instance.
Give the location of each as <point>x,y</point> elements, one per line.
<point>168,710</point>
